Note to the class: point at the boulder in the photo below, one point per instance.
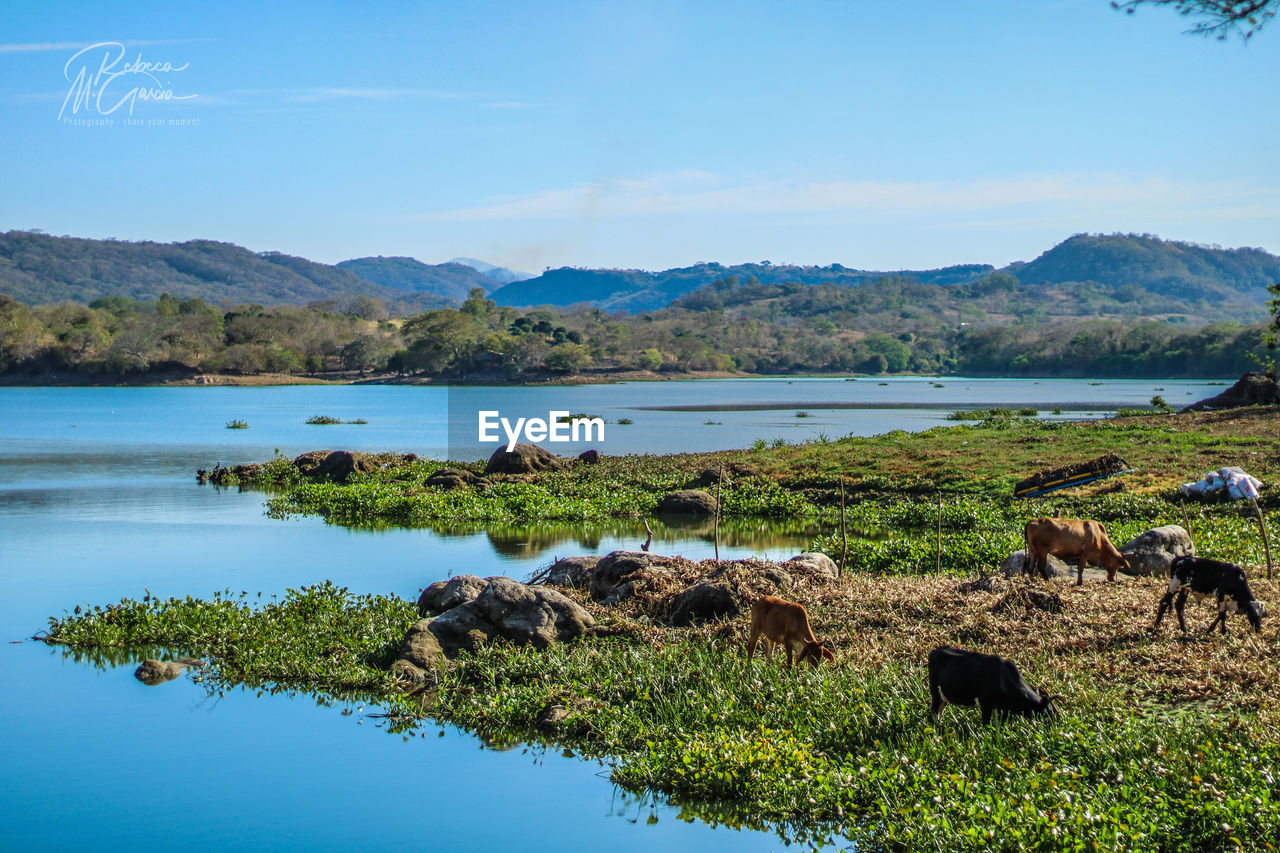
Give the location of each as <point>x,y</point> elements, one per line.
<point>613,567</point>
<point>337,465</point>
<point>818,562</point>
<point>446,595</point>
<point>1151,553</point>
<point>523,459</point>
<point>590,457</point>
<point>505,609</point>
<point>688,502</point>
<point>701,603</point>
<point>572,572</point>
<point>1252,389</point>
<point>712,475</point>
<point>1013,565</point>
<point>454,478</point>
<point>152,672</point>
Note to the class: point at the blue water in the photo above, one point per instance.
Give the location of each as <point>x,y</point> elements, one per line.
<point>98,502</point>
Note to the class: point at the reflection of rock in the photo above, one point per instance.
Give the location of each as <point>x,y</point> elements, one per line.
<point>1252,389</point>
<point>1013,565</point>
<point>701,603</point>
<point>571,571</point>
<point>454,478</point>
<point>688,502</point>
<point>523,459</point>
<point>504,609</point>
<point>1152,552</point>
<point>817,561</point>
<point>446,595</point>
<point>337,465</point>
<point>152,672</point>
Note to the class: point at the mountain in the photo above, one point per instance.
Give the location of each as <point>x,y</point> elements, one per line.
<point>638,290</point>
<point>502,275</point>
<point>408,275</point>
<point>40,268</point>
<point>1181,270</point>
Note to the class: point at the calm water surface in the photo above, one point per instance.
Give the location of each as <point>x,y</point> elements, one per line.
<point>98,502</point>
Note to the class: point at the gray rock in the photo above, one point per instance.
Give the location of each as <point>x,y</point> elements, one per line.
<point>505,609</point>
<point>572,572</point>
<point>590,457</point>
<point>615,566</point>
<point>523,459</point>
<point>446,595</point>
<point>701,603</point>
<point>688,502</point>
<point>454,478</point>
<point>1252,389</point>
<point>1013,565</point>
<point>818,562</point>
<point>337,465</point>
<point>1151,553</point>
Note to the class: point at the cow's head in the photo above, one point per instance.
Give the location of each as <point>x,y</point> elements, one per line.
<point>1255,610</point>
<point>1046,702</point>
<point>816,653</point>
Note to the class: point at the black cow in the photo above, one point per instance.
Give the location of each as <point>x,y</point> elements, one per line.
<point>1202,577</point>
<point>990,681</point>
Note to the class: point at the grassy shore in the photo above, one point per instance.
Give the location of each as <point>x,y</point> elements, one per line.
<point>1166,742</point>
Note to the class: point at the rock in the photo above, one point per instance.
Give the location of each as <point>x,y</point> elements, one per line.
<point>616,565</point>
<point>1013,565</point>
<point>688,502</point>
<point>504,609</point>
<point>711,476</point>
<point>337,465</point>
<point>454,478</point>
<point>446,595</point>
<point>590,457</point>
<point>701,603</point>
<point>152,672</point>
<point>818,562</point>
<point>1152,552</point>
<point>572,572</point>
<point>1252,389</point>
<point>523,459</point>
<point>1028,599</point>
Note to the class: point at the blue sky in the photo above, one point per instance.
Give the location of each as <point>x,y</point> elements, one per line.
<point>874,133</point>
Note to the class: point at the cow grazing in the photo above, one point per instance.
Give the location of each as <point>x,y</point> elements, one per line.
<point>780,621</point>
<point>1084,539</point>
<point>989,681</point>
<point>1202,577</point>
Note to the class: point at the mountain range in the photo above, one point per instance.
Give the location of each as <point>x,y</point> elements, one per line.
<point>41,268</point>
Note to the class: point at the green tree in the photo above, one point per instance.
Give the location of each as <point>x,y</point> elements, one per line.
<point>1214,17</point>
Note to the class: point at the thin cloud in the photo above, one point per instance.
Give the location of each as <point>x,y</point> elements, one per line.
<point>43,46</point>
<point>694,191</point>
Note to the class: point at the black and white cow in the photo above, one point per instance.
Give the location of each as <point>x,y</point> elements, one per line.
<point>1203,577</point>
<point>989,681</point>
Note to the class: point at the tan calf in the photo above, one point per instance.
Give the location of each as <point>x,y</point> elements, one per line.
<point>1084,539</point>
<point>784,622</point>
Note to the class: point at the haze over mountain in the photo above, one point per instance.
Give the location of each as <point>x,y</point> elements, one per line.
<point>498,274</point>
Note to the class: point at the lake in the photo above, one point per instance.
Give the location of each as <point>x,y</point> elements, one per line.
<point>98,501</point>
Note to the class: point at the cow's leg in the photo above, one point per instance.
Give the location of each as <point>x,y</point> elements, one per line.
<point>1178,607</point>
<point>935,692</point>
<point>987,710</point>
<point>752,641</point>
<point>1164,607</point>
<point>1080,571</point>
<point>1220,618</point>
<point>790,654</point>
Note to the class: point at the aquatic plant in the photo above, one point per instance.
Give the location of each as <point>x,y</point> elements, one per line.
<point>325,420</point>
<point>237,424</point>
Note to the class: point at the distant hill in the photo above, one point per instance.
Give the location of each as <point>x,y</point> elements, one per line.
<point>502,275</point>
<point>1182,270</point>
<point>638,290</point>
<point>409,275</point>
<point>39,268</point>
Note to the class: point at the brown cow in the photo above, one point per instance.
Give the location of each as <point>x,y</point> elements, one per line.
<point>785,622</point>
<point>1082,538</point>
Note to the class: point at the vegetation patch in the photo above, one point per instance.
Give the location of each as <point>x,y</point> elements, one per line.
<point>237,424</point>
<point>324,420</point>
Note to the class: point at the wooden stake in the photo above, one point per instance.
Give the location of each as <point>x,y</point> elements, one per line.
<point>719,482</point>
<point>937,565</point>
<point>1266,540</point>
<point>844,531</point>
